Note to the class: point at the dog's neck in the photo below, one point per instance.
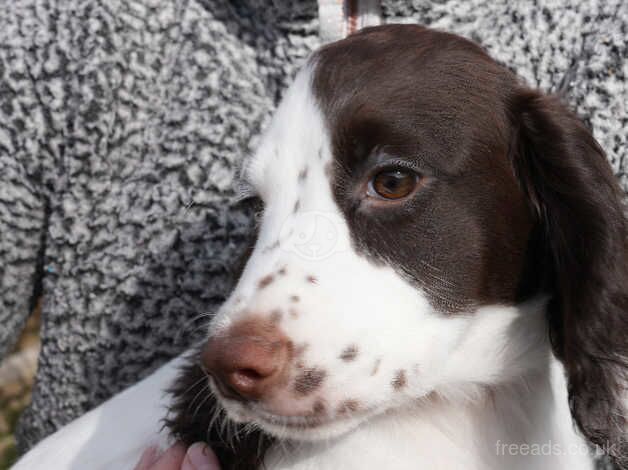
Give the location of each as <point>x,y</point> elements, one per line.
<point>478,425</point>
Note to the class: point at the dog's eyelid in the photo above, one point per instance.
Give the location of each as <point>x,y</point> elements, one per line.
<point>395,164</point>
<point>389,157</point>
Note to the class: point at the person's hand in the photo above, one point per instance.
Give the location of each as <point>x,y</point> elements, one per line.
<point>197,457</point>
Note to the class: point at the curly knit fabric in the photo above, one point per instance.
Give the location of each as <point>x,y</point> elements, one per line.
<point>122,124</point>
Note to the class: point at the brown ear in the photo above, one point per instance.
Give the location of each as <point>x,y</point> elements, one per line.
<point>584,258</point>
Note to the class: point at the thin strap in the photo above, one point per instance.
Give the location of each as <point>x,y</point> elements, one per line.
<point>340,18</point>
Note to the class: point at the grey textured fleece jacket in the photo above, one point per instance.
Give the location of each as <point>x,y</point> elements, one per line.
<point>122,123</point>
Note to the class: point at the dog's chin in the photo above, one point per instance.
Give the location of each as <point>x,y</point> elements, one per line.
<point>291,428</point>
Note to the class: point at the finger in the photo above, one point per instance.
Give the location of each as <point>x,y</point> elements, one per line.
<point>200,457</point>
<point>148,458</point>
<point>171,459</point>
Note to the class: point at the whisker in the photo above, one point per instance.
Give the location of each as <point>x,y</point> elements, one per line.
<point>202,402</point>
<point>185,392</point>
<point>198,394</point>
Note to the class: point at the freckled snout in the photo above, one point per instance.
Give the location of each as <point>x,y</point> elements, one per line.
<point>249,360</point>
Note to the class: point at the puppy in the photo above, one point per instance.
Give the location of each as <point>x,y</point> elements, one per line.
<point>434,234</point>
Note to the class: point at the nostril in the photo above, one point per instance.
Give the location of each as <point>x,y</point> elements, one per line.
<point>250,374</point>
<point>247,380</point>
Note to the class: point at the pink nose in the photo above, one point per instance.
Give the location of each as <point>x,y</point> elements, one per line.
<point>249,360</point>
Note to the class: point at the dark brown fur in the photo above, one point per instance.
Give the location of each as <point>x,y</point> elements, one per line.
<point>308,381</point>
<point>349,353</point>
<point>584,250</point>
<point>435,103</point>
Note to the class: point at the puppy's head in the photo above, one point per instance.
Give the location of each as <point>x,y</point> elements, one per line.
<point>420,205</point>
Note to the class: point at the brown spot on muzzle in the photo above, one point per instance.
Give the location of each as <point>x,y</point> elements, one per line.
<point>399,380</point>
<point>319,408</point>
<point>308,381</point>
<point>348,406</point>
<point>265,281</point>
<point>349,353</point>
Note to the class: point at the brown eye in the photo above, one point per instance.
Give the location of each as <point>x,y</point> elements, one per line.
<point>393,184</point>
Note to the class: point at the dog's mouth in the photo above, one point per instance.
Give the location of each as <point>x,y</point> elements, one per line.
<point>290,422</point>
<point>297,428</point>
<point>310,426</point>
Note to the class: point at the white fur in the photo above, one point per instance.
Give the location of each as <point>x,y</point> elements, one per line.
<point>472,381</point>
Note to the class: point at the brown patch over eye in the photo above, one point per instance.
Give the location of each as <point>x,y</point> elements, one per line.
<point>400,380</point>
<point>308,381</point>
<point>393,184</point>
<point>349,353</point>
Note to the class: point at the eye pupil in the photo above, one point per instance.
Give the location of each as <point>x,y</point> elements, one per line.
<point>394,184</point>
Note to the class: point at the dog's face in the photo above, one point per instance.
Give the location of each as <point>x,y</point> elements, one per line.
<point>396,253</point>
<point>392,228</point>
